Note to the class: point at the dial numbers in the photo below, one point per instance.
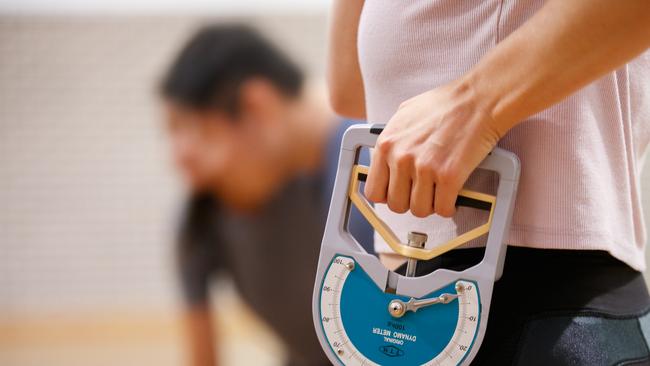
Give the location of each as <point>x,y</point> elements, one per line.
<point>331,313</point>
<point>381,344</point>
<point>468,321</point>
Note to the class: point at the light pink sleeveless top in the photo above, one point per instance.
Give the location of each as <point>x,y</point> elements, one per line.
<point>581,159</point>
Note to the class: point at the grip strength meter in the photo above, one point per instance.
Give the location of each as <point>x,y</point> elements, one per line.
<point>365,314</point>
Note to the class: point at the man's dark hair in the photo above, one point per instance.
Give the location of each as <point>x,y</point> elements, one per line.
<point>215,62</point>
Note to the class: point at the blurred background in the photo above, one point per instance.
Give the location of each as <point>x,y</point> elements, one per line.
<point>88,197</point>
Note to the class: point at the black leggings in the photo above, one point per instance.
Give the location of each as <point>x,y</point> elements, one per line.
<point>561,307</point>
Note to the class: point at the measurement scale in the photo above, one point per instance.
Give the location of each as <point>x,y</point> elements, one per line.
<point>365,314</point>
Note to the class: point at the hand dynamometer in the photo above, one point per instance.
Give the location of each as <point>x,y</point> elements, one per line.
<point>365,314</point>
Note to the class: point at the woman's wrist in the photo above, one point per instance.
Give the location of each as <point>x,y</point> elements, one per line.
<point>473,94</point>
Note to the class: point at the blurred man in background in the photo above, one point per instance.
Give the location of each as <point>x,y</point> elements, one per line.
<point>259,152</point>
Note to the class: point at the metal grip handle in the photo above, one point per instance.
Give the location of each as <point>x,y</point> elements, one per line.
<point>504,163</point>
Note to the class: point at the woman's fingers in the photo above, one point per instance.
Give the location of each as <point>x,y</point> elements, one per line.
<point>393,184</point>
<point>376,187</point>
<point>422,196</point>
<point>403,182</point>
<point>445,202</point>
<point>399,185</point>
<point>389,178</point>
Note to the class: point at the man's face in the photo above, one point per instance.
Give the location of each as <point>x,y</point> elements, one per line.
<point>202,145</point>
<point>232,158</point>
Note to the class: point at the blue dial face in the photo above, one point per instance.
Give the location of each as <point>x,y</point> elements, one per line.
<point>362,330</point>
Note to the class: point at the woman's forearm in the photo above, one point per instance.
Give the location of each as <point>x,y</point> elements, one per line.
<point>343,71</point>
<point>562,48</point>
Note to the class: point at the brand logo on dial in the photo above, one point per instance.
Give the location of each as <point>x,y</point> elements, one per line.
<point>391,351</point>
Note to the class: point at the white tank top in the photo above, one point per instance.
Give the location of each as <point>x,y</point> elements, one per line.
<point>581,159</point>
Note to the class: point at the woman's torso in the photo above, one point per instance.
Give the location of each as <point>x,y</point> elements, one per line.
<point>581,159</point>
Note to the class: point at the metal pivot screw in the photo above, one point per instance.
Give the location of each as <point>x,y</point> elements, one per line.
<point>340,351</point>
<point>396,308</point>
<point>460,287</point>
<point>350,266</point>
<point>415,240</point>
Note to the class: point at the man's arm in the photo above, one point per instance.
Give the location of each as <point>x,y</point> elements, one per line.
<point>343,72</point>
<point>439,137</point>
<point>200,335</point>
<point>197,262</point>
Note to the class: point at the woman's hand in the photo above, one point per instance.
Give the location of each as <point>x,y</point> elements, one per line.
<point>428,150</point>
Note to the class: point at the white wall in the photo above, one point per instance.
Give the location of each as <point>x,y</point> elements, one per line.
<point>150,7</point>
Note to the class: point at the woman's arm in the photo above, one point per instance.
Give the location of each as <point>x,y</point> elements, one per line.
<point>564,47</point>
<point>343,72</point>
<point>439,137</point>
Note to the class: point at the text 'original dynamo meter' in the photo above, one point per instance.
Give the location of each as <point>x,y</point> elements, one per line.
<point>365,314</point>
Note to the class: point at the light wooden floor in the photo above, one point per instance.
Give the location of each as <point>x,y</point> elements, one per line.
<point>131,338</point>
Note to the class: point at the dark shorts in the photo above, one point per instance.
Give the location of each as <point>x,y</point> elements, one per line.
<point>561,307</point>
